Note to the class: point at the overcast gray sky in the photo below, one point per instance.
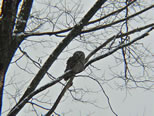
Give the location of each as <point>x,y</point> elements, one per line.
<point>124,101</point>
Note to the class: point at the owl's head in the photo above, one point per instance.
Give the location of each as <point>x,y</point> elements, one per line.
<point>79,54</point>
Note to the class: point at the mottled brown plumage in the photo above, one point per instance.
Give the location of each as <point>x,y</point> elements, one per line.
<point>75,63</point>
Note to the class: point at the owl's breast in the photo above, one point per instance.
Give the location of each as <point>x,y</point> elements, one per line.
<point>79,66</point>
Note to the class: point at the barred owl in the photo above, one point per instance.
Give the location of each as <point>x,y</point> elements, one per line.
<point>75,63</point>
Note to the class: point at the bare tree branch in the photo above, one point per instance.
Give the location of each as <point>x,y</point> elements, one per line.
<point>119,47</point>
<point>75,32</point>
<point>117,36</point>
<point>69,84</point>
<point>20,105</point>
<point>108,99</point>
<point>23,16</point>
<point>118,21</point>
<point>102,32</point>
<point>66,30</point>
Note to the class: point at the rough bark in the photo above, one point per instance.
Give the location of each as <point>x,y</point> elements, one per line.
<point>9,43</point>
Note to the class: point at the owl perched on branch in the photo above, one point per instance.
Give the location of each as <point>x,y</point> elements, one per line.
<point>75,63</point>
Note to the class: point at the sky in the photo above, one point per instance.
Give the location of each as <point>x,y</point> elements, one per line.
<point>124,101</point>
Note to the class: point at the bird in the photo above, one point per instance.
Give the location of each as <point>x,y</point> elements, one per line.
<point>75,63</point>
